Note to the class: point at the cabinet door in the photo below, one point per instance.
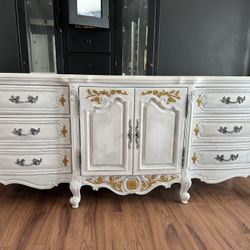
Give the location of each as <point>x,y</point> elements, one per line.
<point>106,117</point>
<point>159,130</point>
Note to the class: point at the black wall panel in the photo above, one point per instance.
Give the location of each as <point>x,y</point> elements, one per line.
<point>204,37</point>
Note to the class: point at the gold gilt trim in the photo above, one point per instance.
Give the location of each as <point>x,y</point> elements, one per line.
<point>172,96</point>
<point>65,161</point>
<point>148,181</point>
<point>95,95</point>
<point>62,100</point>
<point>138,183</point>
<point>197,130</point>
<point>199,101</point>
<point>64,131</point>
<point>194,158</point>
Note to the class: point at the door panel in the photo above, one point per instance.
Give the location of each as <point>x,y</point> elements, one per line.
<point>106,120</point>
<point>160,117</point>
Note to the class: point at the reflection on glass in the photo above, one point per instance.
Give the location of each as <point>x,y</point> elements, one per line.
<point>134,37</point>
<point>40,35</point>
<point>91,8</point>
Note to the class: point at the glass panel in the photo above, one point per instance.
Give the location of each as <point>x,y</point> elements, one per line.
<point>134,37</point>
<point>40,35</point>
<point>89,8</point>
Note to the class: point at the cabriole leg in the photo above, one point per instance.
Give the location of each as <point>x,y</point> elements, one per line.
<point>75,188</point>
<point>185,185</point>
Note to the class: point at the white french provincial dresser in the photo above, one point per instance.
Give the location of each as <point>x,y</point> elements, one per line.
<point>127,134</point>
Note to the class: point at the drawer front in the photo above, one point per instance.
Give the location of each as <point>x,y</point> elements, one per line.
<point>34,100</point>
<point>89,41</point>
<point>226,101</point>
<point>221,130</point>
<point>30,161</point>
<point>219,158</point>
<point>90,64</point>
<point>34,131</point>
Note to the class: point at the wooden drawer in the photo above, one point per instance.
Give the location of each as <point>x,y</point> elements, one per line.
<point>35,161</point>
<point>90,64</point>
<point>89,41</point>
<point>221,130</point>
<point>222,101</point>
<point>34,131</point>
<point>223,157</point>
<point>16,99</point>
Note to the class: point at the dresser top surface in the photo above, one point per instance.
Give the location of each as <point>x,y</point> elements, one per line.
<point>48,78</point>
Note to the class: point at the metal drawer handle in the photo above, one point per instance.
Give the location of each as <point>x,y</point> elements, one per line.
<point>35,162</point>
<point>30,99</point>
<point>137,135</point>
<point>236,129</point>
<point>221,158</point>
<point>19,132</point>
<point>129,134</point>
<point>227,100</point>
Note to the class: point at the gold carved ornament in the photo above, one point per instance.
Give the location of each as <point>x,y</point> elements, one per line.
<point>64,131</point>
<point>196,130</point>
<point>194,158</point>
<point>140,183</point>
<point>62,100</point>
<point>95,95</point>
<point>172,96</point>
<point>199,101</point>
<point>65,161</point>
<point>149,181</point>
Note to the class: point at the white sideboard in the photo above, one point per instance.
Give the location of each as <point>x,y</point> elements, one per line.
<point>127,134</point>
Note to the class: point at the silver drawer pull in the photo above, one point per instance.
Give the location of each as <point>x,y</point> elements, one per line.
<point>227,100</point>
<point>35,162</point>
<point>19,132</point>
<point>221,158</point>
<point>129,134</point>
<point>30,99</point>
<point>137,135</point>
<point>236,129</point>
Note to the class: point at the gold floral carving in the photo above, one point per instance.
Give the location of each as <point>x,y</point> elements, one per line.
<point>199,101</point>
<point>132,184</point>
<point>138,183</point>
<point>115,183</point>
<point>194,158</point>
<point>95,95</point>
<point>65,161</point>
<point>149,181</point>
<point>197,130</point>
<point>172,96</point>
<point>64,131</point>
<point>62,100</point>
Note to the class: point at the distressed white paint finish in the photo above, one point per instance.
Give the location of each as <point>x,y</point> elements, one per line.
<point>104,132</point>
<point>109,122</point>
<point>231,130</point>
<point>219,148</point>
<point>161,131</point>
<point>48,130</point>
<point>223,100</point>
<point>48,100</point>
<point>233,157</point>
<point>51,161</point>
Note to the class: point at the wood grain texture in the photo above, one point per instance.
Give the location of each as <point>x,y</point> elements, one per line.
<point>217,217</point>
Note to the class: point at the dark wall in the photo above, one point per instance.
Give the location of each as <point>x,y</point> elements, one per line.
<point>9,48</point>
<point>204,37</point>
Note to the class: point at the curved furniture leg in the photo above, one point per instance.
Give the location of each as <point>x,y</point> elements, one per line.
<point>75,188</point>
<point>185,185</point>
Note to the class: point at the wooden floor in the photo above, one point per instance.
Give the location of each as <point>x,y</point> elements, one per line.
<point>217,217</point>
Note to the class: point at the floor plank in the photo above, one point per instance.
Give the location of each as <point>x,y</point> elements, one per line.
<point>217,217</point>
